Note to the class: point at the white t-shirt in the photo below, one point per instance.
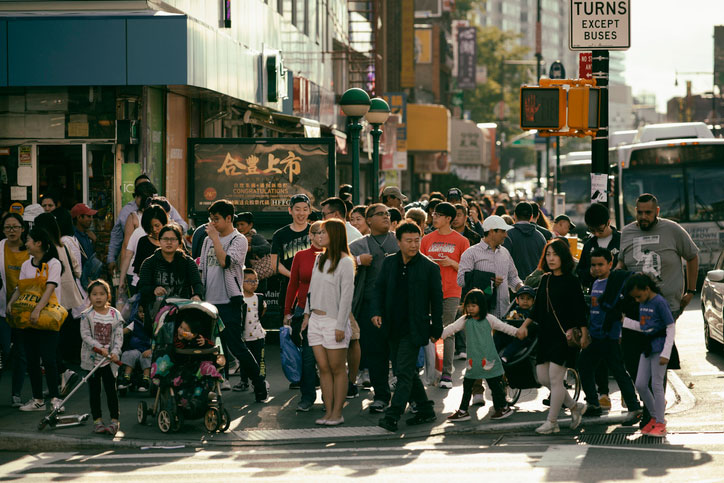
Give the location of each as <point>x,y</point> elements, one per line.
<point>103,329</point>
<point>603,242</point>
<point>215,284</point>
<point>253,329</point>
<point>28,270</point>
<point>137,234</point>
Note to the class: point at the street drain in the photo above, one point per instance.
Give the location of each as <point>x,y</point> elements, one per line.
<point>618,439</point>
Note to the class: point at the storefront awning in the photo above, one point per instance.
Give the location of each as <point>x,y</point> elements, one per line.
<point>428,128</point>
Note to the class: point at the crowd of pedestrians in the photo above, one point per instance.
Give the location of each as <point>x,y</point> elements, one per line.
<point>368,289</point>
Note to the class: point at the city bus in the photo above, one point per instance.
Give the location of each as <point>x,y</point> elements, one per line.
<point>686,176</point>
<point>574,177</point>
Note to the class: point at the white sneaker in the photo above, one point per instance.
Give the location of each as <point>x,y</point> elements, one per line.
<point>445,384</point>
<point>461,356</point>
<point>577,412</point>
<point>548,428</point>
<point>16,402</point>
<point>478,399</point>
<point>56,403</point>
<point>234,366</point>
<point>33,405</point>
<point>363,378</point>
<point>226,385</point>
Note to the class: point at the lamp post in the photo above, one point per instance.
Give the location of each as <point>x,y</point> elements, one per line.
<point>377,115</point>
<point>355,103</point>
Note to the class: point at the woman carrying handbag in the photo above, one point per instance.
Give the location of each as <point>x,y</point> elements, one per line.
<point>43,267</point>
<point>559,307</point>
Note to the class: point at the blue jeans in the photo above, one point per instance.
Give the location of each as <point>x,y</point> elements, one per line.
<point>308,384</point>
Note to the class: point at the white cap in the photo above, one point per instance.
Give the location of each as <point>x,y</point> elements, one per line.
<point>494,222</point>
<point>31,211</point>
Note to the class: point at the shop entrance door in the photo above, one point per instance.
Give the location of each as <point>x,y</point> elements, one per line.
<point>60,171</point>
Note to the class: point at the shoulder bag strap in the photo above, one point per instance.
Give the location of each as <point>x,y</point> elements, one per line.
<point>550,305</point>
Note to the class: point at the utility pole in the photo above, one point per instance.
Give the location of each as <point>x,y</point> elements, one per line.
<point>599,145</point>
<point>539,59</point>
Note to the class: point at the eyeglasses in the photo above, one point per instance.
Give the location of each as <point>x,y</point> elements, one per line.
<point>12,227</point>
<point>215,220</point>
<point>251,281</point>
<point>312,233</point>
<point>169,239</point>
<point>382,213</point>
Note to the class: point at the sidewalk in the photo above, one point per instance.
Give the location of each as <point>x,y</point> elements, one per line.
<point>278,422</point>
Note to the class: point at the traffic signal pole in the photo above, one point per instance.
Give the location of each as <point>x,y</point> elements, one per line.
<point>599,145</point>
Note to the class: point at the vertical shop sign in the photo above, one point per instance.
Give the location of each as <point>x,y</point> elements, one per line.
<point>129,173</point>
<point>25,157</point>
<point>407,44</point>
<point>467,50</point>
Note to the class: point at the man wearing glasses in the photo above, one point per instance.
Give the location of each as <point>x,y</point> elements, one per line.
<point>369,252</point>
<point>604,235</point>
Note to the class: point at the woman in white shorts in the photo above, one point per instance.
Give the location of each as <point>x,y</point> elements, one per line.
<point>327,315</point>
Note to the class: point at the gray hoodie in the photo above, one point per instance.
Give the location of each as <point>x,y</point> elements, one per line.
<point>525,244</point>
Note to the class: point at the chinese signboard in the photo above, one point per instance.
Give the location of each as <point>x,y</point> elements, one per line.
<point>260,174</point>
<point>467,39</point>
<point>407,46</point>
<point>398,105</point>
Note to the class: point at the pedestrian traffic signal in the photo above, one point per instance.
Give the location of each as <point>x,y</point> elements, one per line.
<point>583,108</point>
<point>542,107</point>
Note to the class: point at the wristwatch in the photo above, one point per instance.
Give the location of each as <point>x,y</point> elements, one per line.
<point>693,292</point>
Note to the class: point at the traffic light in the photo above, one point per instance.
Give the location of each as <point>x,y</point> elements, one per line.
<point>542,108</point>
<point>583,107</point>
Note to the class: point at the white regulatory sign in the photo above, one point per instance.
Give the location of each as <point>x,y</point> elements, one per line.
<point>600,25</point>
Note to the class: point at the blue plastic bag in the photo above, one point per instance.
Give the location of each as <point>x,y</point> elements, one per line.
<point>290,354</point>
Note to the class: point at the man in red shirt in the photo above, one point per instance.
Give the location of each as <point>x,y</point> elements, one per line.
<point>445,246</point>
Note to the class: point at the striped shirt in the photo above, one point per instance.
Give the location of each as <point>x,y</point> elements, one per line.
<point>481,257</point>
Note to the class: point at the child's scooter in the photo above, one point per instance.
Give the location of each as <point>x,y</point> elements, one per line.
<point>54,420</point>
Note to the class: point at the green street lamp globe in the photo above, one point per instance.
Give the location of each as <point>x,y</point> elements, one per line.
<point>379,111</point>
<point>355,102</point>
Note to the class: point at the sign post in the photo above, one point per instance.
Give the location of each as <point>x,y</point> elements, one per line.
<point>599,26</point>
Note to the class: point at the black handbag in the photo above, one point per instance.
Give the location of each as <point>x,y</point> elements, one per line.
<point>484,281</point>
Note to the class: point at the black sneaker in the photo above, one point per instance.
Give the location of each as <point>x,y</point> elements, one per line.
<point>352,391</point>
<point>633,417</point>
<point>241,387</point>
<point>547,401</point>
<point>593,411</point>
<point>144,385</point>
<point>124,381</point>
<point>260,392</point>
<point>295,385</point>
<point>388,423</point>
<point>420,418</point>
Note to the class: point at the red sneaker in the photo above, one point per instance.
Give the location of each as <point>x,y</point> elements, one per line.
<point>649,426</point>
<point>658,431</point>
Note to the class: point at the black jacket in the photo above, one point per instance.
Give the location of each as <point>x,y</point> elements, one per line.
<point>425,297</point>
<point>180,278</point>
<point>583,270</point>
<point>525,244</point>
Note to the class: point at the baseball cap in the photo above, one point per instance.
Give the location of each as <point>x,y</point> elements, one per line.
<point>394,191</point>
<point>31,211</point>
<point>299,198</point>
<point>565,218</point>
<point>526,289</point>
<point>495,222</point>
<point>454,193</point>
<point>81,209</point>
<point>246,216</point>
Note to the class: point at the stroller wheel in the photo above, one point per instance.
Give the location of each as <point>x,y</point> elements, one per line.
<point>164,420</point>
<point>212,420</point>
<point>225,421</point>
<point>142,412</point>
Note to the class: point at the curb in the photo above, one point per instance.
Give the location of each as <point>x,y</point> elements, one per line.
<point>16,441</point>
<point>685,399</point>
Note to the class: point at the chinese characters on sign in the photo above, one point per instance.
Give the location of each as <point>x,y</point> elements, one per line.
<point>259,176</point>
<point>467,49</point>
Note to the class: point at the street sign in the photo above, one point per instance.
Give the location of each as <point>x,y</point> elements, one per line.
<point>599,25</point>
<point>557,70</point>
<point>585,65</point>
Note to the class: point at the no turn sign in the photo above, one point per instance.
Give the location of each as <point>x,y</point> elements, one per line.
<point>600,25</point>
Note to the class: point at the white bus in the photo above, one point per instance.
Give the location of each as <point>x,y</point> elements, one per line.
<point>574,177</point>
<point>686,176</point>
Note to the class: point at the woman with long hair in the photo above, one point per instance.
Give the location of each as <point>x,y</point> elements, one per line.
<point>12,256</point>
<point>559,306</point>
<point>142,243</point>
<point>477,215</point>
<point>41,343</point>
<point>327,316</point>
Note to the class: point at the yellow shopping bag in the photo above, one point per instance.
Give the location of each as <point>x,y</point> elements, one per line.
<point>31,290</point>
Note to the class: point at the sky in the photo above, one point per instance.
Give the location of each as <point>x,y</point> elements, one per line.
<point>669,36</point>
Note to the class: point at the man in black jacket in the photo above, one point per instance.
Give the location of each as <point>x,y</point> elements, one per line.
<point>524,242</point>
<point>604,235</point>
<point>408,309</point>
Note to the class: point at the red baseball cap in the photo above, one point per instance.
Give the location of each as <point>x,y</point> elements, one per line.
<point>81,209</point>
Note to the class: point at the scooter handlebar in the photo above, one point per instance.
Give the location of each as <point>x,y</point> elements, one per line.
<point>98,351</point>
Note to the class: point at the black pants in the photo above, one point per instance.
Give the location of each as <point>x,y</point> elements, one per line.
<point>376,354</point>
<point>602,378</point>
<point>104,374</point>
<point>605,350</point>
<point>42,344</point>
<point>256,347</point>
<point>69,344</point>
<point>231,339</point>
<point>409,386</point>
<point>497,388</point>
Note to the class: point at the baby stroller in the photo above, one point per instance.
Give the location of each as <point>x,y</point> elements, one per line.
<point>187,376</point>
<point>519,367</point>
